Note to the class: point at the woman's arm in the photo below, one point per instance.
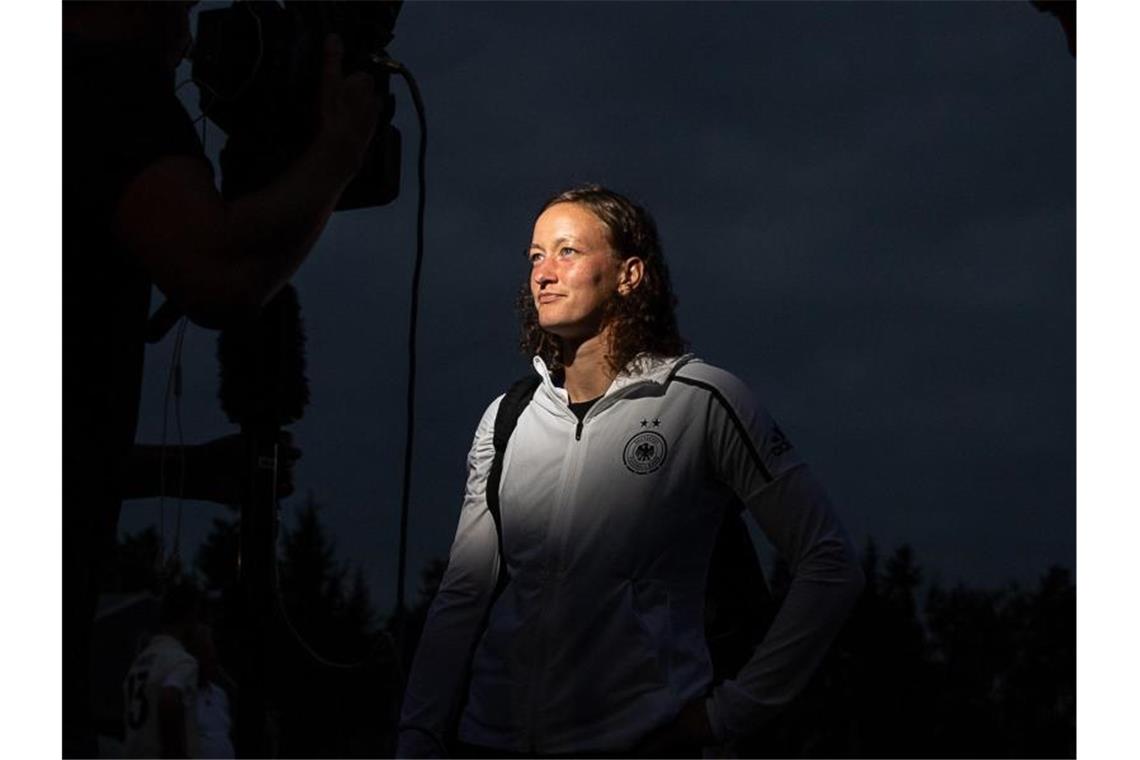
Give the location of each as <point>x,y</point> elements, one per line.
<point>796,515</point>
<point>752,455</point>
<point>456,616</point>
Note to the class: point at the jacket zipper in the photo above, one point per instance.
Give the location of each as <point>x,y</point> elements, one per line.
<point>542,645</point>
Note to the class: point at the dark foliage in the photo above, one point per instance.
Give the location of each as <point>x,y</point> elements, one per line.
<point>414,619</point>
<point>977,673</point>
<point>327,710</point>
<point>217,558</point>
<point>139,565</point>
<point>962,672</point>
<point>320,708</point>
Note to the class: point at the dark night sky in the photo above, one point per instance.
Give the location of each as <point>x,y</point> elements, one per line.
<point>869,211</point>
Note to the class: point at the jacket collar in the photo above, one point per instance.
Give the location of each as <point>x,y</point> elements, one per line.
<point>644,369</point>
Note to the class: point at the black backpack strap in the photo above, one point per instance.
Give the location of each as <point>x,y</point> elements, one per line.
<point>510,408</point>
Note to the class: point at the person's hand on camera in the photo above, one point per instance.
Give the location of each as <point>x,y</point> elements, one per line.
<point>350,108</point>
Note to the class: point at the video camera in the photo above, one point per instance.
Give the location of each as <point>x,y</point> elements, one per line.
<point>258,66</point>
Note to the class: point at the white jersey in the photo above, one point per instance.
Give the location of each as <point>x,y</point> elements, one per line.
<point>608,525</point>
<point>214,722</point>
<point>164,663</point>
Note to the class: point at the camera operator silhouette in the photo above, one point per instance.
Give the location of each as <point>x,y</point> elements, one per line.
<point>140,207</point>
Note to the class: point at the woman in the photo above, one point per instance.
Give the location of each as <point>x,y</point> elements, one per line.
<point>613,486</point>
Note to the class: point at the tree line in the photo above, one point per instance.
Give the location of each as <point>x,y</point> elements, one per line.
<point>945,672</point>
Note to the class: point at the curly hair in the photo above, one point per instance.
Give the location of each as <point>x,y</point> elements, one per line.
<point>642,321</point>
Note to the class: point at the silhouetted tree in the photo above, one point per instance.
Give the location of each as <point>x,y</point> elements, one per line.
<point>430,577</point>
<point>139,565</point>
<point>217,557</point>
<point>977,673</point>
<point>1037,694</point>
<point>327,710</point>
<point>971,673</point>
<point>322,709</point>
<point>359,617</point>
<point>970,646</point>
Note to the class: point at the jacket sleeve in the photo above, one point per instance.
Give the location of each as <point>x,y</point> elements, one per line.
<point>755,459</point>
<point>455,618</point>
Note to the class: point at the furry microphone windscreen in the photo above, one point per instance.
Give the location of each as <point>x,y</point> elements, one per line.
<point>262,365</point>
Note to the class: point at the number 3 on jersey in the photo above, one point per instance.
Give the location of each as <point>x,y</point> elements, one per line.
<point>136,698</point>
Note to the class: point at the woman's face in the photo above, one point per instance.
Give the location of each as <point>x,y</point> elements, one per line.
<point>574,271</point>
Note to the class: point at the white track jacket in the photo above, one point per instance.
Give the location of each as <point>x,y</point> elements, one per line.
<point>608,527</point>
